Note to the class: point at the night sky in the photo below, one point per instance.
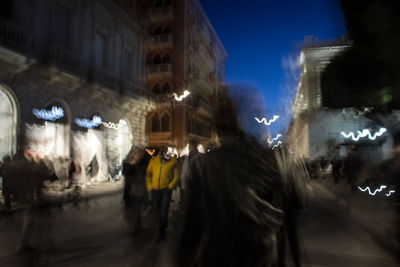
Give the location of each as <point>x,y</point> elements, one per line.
<point>263,39</point>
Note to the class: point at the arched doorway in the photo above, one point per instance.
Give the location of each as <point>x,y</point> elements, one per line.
<point>119,143</point>
<point>8,122</point>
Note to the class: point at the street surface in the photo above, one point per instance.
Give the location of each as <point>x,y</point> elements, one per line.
<point>338,229</point>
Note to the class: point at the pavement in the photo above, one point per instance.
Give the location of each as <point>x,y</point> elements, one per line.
<point>339,228</point>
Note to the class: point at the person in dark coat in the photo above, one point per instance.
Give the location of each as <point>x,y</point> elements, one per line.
<point>237,198</point>
<point>135,192</point>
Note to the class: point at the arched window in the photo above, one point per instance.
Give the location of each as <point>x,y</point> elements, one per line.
<point>166,88</point>
<point>167,30</point>
<point>157,31</point>
<point>166,59</point>
<point>157,59</point>
<point>165,123</point>
<point>156,89</point>
<point>155,123</point>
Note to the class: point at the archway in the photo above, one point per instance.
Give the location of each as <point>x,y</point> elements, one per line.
<point>8,122</point>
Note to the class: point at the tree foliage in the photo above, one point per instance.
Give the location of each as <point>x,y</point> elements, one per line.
<point>368,73</point>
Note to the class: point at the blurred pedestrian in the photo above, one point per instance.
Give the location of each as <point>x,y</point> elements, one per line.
<point>162,174</point>
<point>186,166</point>
<point>337,163</point>
<point>237,198</point>
<point>352,167</point>
<point>135,193</point>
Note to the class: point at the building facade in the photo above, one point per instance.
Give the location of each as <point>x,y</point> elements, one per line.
<point>72,81</point>
<point>185,54</point>
<point>316,130</point>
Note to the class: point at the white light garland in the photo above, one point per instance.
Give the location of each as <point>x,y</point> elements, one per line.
<point>34,126</point>
<point>264,120</point>
<point>364,133</point>
<point>369,190</point>
<point>270,141</point>
<point>275,146</point>
<point>390,192</point>
<point>181,97</point>
<point>115,126</point>
<point>86,123</point>
<point>51,115</point>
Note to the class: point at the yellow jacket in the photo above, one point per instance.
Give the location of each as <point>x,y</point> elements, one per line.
<point>161,175</point>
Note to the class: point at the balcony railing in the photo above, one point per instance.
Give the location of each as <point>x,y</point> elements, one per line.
<point>162,40</point>
<point>311,41</point>
<point>202,104</point>
<point>203,55</point>
<point>13,35</point>
<point>67,60</point>
<point>160,13</point>
<point>159,70</point>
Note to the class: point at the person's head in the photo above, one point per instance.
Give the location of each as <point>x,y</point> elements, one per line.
<point>192,146</point>
<point>162,152</point>
<point>135,154</point>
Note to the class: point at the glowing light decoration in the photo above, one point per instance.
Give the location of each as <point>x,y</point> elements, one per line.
<point>264,120</point>
<point>116,126</point>
<point>369,190</point>
<point>275,146</point>
<point>86,123</point>
<point>34,126</point>
<point>51,115</point>
<point>181,97</point>
<point>364,133</point>
<point>270,141</point>
<point>390,192</point>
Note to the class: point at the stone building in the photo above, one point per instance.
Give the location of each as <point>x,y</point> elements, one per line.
<point>72,81</point>
<point>316,130</point>
<point>185,55</point>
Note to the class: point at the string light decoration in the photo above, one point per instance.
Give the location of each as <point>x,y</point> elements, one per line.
<point>390,192</point>
<point>275,146</point>
<point>34,126</point>
<point>270,141</point>
<point>369,190</point>
<point>264,120</point>
<point>181,97</point>
<point>90,124</point>
<point>51,115</point>
<point>115,126</point>
<point>364,133</point>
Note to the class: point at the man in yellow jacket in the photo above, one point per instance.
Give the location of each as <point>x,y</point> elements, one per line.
<point>162,175</point>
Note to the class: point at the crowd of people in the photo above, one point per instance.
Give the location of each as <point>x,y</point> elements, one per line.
<point>239,200</point>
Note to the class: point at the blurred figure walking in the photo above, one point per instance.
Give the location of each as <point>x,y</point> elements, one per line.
<point>162,174</point>
<point>186,166</point>
<point>135,193</point>
<point>237,198</point>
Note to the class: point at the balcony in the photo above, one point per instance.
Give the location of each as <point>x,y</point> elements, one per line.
<point>200,82</point>
<point>160,13</point>
<point>161,41</point>
<point>14,36</point>
<point>203,56</point>
<point>155,71</point>
<point>67,60</point>
<point>204,107</point>
<point>105,78</point>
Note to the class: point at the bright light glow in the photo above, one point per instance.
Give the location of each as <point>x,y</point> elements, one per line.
<point>264,120</point>
<point>275,146</point>
<point>112,125</point>
<point>50,115</point>
<point>270,141</point>
<point>369,190</point>
<point>86,123</point>
<point>181,97</point>
<point>364,133</point>
<point>390,192</point>
<point>34,126</point>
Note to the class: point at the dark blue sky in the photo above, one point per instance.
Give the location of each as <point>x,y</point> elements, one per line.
<point>259,34</point>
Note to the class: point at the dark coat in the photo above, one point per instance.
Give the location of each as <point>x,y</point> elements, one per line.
<point>135,178</point>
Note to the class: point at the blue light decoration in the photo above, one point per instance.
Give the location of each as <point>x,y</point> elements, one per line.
<point>90,124</point>
<point>50,115</point>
